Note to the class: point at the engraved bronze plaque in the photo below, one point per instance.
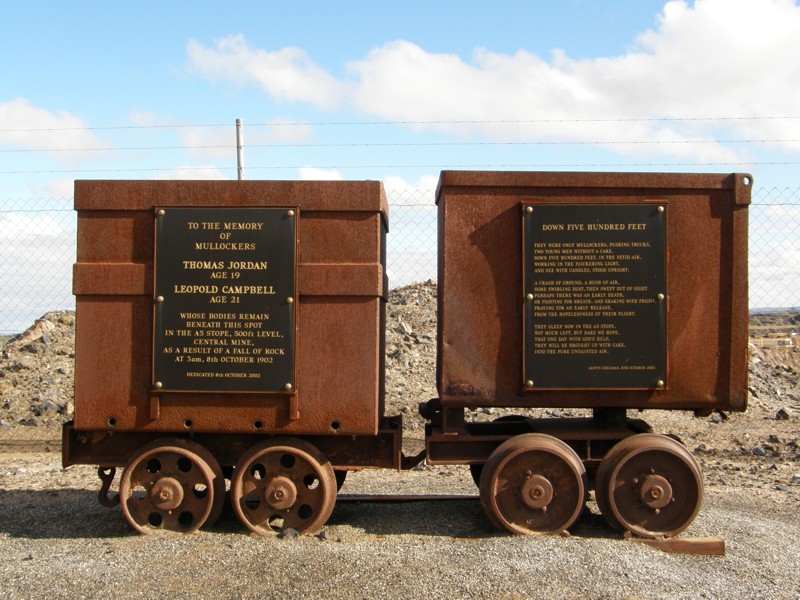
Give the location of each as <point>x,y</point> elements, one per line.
<point>595,296</point>
<point>224,299</point>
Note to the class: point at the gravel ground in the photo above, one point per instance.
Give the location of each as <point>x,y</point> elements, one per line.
<point>57,541</point>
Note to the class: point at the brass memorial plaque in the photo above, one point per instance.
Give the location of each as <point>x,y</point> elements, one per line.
<point>224,299</point>
<point>595,296</point>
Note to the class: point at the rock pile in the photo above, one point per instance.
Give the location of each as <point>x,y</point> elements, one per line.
<point>774,381</point>
<point>410,352</point>
<point>36,373</point>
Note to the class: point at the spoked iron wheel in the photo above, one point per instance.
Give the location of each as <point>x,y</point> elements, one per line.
<point>168,485</point>
<point>283,484</point>
<point>533,483</point>
<point>650,485</point>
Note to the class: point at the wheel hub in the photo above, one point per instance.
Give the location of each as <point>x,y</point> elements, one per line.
<point>281,493</point>
<point>166,493</point>
<point>537,492</point>
<point>655,492</point>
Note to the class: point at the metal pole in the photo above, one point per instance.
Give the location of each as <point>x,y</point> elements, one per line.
<point>239,150</point>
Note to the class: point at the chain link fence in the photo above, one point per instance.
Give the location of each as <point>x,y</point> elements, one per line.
<point>38,250</point>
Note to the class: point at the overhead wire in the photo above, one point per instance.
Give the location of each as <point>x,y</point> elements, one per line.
<point>408,122</point>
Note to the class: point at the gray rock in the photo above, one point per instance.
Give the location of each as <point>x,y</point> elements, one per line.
<point>288,534</point>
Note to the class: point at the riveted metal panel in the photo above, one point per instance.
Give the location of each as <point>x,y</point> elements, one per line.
<point>338,312</point>
<point>481,336</point>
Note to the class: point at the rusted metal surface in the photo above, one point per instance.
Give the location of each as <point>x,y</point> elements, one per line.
<point>701,546</point>
<point>480,337</point>
<point>168,486</point>
<point>533,483</point>
<point>112,449</point>
<point>106,475</point>
<point>283,484</point>
<point>590,437</point>
<point>341,288</point>
<point>402,498</point>
<point>649,485</point>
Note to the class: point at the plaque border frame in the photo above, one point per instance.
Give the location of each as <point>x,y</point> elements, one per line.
<point>156,391</point>
<point>648,201</point>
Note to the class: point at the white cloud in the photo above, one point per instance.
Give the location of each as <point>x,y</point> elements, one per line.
<point>411,193</point>
<point>710,58</point>
<point>215,143</point>
<point>28,127</point>
<point>315,174</point>
<point>57,188</point>
<point>15,227</point>
<point>774,252</point>
<point>775,275</point>
<point>191,172</point>
<point>287,74</point>
<point>35,268</point>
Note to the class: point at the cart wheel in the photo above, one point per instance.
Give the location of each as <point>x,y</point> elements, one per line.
<point>167,485</point>
<point>283,484</point>
<point>650,485</point>
<point>533,483</point>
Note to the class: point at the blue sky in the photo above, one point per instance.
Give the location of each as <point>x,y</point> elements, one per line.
<point>395,91</point>
<point>98,89</point>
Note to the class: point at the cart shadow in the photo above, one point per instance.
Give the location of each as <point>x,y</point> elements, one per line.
<point>70,513</point>
<point>460,519</point>
<point>64,513</point>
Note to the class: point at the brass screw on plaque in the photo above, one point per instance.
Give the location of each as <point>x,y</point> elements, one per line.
<point>291,213</point>
<point>529,296</point>
<point>660,296</point>
<point>159,385</point>
<point>529,383</point>
<point>660,383</point>
<point>160,299</point>
<point>161,212</point>
<point>289,300</point>
<point>288,387</point>
<point>529,209</point>
<point>660,209</point>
